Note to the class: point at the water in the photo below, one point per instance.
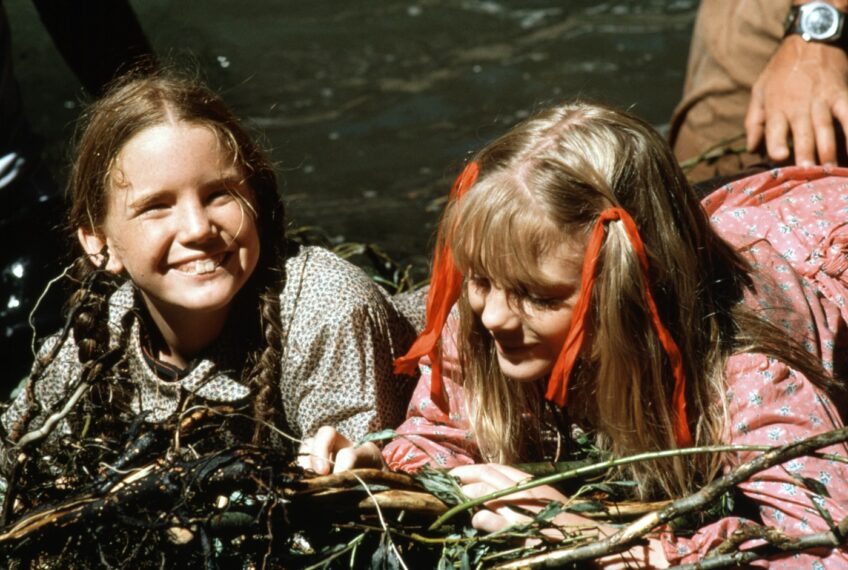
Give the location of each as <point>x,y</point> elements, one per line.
<point>370,108</point>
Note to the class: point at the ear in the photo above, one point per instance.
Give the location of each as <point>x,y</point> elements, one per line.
<point>94,244</point>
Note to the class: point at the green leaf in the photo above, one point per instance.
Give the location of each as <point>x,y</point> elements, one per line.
<point>377,436</point>
<point>815,486</point>
<point>587,507</point>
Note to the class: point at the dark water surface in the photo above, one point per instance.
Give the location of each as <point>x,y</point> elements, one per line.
<point>370,108</point>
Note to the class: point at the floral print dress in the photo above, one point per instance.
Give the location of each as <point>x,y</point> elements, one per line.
<point>792,224</point>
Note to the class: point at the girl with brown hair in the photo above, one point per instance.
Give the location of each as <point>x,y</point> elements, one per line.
<point>189,297</point>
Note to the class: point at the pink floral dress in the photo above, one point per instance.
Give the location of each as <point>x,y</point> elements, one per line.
<point>792,224</point>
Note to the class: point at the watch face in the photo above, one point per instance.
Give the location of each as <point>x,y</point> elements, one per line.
<point>820,22</point>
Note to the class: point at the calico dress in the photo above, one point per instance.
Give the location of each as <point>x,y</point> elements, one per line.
<point>340,334</point>
<point>792,224</point>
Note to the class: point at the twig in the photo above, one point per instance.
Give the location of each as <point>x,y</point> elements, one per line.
<point>591,470</point>
<point>622,539</point>
<point>719,149</point>
<point>35,307</point>
<point>50,423</point>
<point>830,538</point>
<point>382,521</point>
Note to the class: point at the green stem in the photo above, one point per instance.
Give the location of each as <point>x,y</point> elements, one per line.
<point>589,470</point>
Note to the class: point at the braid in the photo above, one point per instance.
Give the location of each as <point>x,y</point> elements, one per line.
<point>267,404</point>
<point>86,316</point>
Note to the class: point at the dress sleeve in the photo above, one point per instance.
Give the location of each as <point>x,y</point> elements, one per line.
<point>341,335</point>
<point>772,404</point>
<point>432,435</point>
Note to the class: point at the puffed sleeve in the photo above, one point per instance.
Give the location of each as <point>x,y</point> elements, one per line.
<point>432,435</point>
<point>771,404</point>
<point>341,334</point>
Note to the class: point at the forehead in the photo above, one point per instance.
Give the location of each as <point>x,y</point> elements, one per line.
<point>498,233</point>
<point>562,264</point>
<point>171,154</point>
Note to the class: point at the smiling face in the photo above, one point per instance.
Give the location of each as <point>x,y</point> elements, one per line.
<point>529,326</point>
<point>179,221</point>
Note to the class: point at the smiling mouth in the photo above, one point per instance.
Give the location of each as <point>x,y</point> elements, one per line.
<point>202,266</point>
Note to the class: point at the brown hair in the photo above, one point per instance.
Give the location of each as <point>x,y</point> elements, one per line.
<point>137,102</point>
<point>546,182</point>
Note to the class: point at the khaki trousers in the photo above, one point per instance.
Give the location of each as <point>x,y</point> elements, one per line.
<point>731,44</point>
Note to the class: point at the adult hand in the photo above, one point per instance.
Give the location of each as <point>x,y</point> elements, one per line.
<point>801,92</point>
<point>329,451</point>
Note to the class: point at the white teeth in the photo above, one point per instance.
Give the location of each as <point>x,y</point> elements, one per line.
<point>200,266</point>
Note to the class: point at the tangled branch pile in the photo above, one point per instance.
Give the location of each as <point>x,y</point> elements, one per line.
<point>159,505</point>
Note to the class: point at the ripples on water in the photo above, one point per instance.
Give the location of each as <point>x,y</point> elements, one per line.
<point>368,108</point>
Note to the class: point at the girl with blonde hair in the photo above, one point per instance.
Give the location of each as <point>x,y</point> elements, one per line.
<point>579,282</point>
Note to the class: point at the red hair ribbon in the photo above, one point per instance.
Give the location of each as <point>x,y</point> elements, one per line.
<point>558,383</point>
<point>445,287</point>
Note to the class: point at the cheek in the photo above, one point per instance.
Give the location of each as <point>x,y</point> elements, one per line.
<point>554,328</point>
<point>476,301</point>
<point>249,243</point>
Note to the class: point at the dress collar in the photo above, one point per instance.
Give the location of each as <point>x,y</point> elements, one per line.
<point>212,377</point>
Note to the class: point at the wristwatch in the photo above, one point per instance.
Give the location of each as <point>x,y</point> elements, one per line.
<point>817,22</point>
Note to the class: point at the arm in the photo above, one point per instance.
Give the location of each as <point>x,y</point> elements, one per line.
<point>340,336</point>
<point>801,92</point>
<point>98,39</point>
<point>430,435</point>
<point>771,404</point>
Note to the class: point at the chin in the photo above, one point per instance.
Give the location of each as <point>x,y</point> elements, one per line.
<point>526,372</point>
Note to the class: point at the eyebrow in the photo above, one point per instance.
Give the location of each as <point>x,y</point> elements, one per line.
<point>156,195</point>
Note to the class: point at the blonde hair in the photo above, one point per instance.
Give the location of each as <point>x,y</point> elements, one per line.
<point>546,182</point>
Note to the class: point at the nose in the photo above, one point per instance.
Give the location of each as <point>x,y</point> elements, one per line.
<point>498,314</point>
<point>195,222</point>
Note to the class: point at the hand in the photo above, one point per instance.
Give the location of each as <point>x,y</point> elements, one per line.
<point>480,480</point>
<point>801,92</point>
<point>330,448</point>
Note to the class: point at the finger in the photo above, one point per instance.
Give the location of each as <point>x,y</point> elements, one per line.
<point>777,131</point>
<point>323,450</point>
<point>755,118</point>
<point>477,490</point>
<point>488,521</point>
<point>824,134</point>
<point>803,140</point>
<point>490,473</point>
<point>304,452</point>
<point>515,475</point>
<point>366,455</point>
<point>840,111</point>
<point>345,460</point>
<point>511,516</point>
